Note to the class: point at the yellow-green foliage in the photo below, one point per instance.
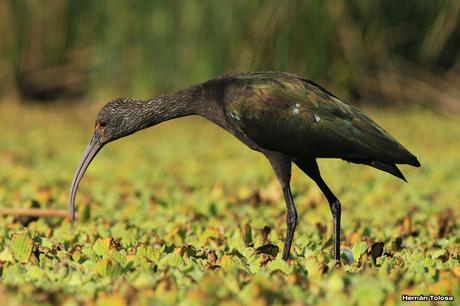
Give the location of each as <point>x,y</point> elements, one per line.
<point>179,214</point>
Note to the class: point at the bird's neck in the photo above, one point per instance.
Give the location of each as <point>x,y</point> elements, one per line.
<point>195,100</point>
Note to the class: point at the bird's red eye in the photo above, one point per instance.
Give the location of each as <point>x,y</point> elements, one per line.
<point>102,124</point>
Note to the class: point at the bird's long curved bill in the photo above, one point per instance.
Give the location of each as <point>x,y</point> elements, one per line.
<point>91,150</point>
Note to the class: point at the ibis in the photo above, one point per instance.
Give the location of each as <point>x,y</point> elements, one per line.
<point>287,118</point>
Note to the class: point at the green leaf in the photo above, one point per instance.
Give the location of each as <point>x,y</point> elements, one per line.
<point>5,255</point>
<point>358,250</point>
<point>46,243</point>
<point>279,264</point>
<point>172,260</point>
<point>109,267</point>
<point>35,272</point>
<point>102,247</point>
<point>438,253</point>
<point>22,246</point>
<point>229,263</point>
<point>89,252</point>
<point>148,252</point>
<point>248,235</point>
<point>144,280</point>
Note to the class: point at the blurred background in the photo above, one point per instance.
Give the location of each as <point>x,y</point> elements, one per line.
<point>386,52</point>
<point>186,188</point>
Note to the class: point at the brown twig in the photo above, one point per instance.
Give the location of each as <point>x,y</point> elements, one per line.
<point>35,212</point>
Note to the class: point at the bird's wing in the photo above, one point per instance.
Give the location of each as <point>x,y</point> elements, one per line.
<point>299,118</point>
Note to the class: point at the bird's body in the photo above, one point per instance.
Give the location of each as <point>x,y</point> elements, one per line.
<point>285,113</point>
<point>282,115</point>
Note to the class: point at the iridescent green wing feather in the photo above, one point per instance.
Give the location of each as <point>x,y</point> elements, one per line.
<point>285,113</point>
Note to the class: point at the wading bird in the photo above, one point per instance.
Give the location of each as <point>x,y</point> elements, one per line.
<point>284,116</point>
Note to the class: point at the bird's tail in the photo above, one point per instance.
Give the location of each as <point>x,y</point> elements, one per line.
<point>389,168</point>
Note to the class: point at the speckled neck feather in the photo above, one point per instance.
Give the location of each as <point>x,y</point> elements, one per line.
<point>196,100</point>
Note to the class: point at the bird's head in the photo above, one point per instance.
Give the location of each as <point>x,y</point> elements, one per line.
<point>118,118</point>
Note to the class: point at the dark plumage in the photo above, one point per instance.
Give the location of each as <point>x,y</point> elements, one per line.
<point>284,116</point>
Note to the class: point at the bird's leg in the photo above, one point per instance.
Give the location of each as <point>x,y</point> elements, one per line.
<point>282,166</point>
<point>310,167</point>
<point>291,221</point>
